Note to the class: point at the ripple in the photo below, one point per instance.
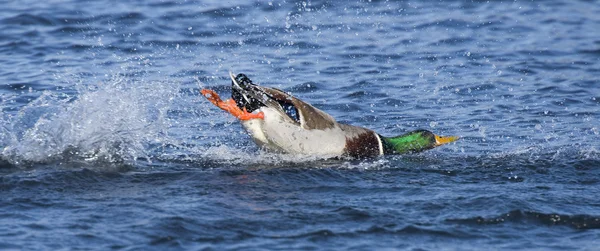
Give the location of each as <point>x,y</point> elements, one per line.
<point>306,87</point>
<point>446,23</point>
<point>131,17</point>
<point>75,30</point>
<point>353,213</point>
<point>28,19</point>
<point>225,12</point>
<point>532,217</point>
<point>455,41</point>
<point>591,52</point>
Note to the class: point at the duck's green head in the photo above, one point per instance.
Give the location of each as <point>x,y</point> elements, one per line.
<point>414,141</point>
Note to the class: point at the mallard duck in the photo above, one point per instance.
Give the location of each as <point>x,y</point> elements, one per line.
<point>281,122</point>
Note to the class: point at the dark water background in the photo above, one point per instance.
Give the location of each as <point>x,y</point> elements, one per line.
<point>106,144</point>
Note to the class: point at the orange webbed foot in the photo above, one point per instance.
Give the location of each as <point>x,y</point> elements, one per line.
<point>212,96</point>
<point>245,115</point>
<point>230,106</point>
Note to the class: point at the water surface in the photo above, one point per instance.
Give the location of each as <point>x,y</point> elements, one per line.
<point>105,142</point>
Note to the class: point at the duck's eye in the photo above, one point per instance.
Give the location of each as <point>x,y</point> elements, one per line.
<point>291,111</point>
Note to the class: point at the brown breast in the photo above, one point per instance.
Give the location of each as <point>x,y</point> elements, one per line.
<point>360,142</point>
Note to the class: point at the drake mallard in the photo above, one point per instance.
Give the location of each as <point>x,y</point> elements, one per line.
<point>281,122</point>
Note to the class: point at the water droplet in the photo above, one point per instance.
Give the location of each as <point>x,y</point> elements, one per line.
<point>482,131</point>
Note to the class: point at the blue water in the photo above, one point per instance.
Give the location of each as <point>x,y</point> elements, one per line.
<point>105,142</point>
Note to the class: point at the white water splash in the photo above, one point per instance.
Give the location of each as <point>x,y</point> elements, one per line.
<point>113,121</point>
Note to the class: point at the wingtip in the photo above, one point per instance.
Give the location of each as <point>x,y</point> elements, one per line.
<point>235,82</point>
<point>232,76</point>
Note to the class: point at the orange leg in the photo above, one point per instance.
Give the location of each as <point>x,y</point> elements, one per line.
<point>230,106</point>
